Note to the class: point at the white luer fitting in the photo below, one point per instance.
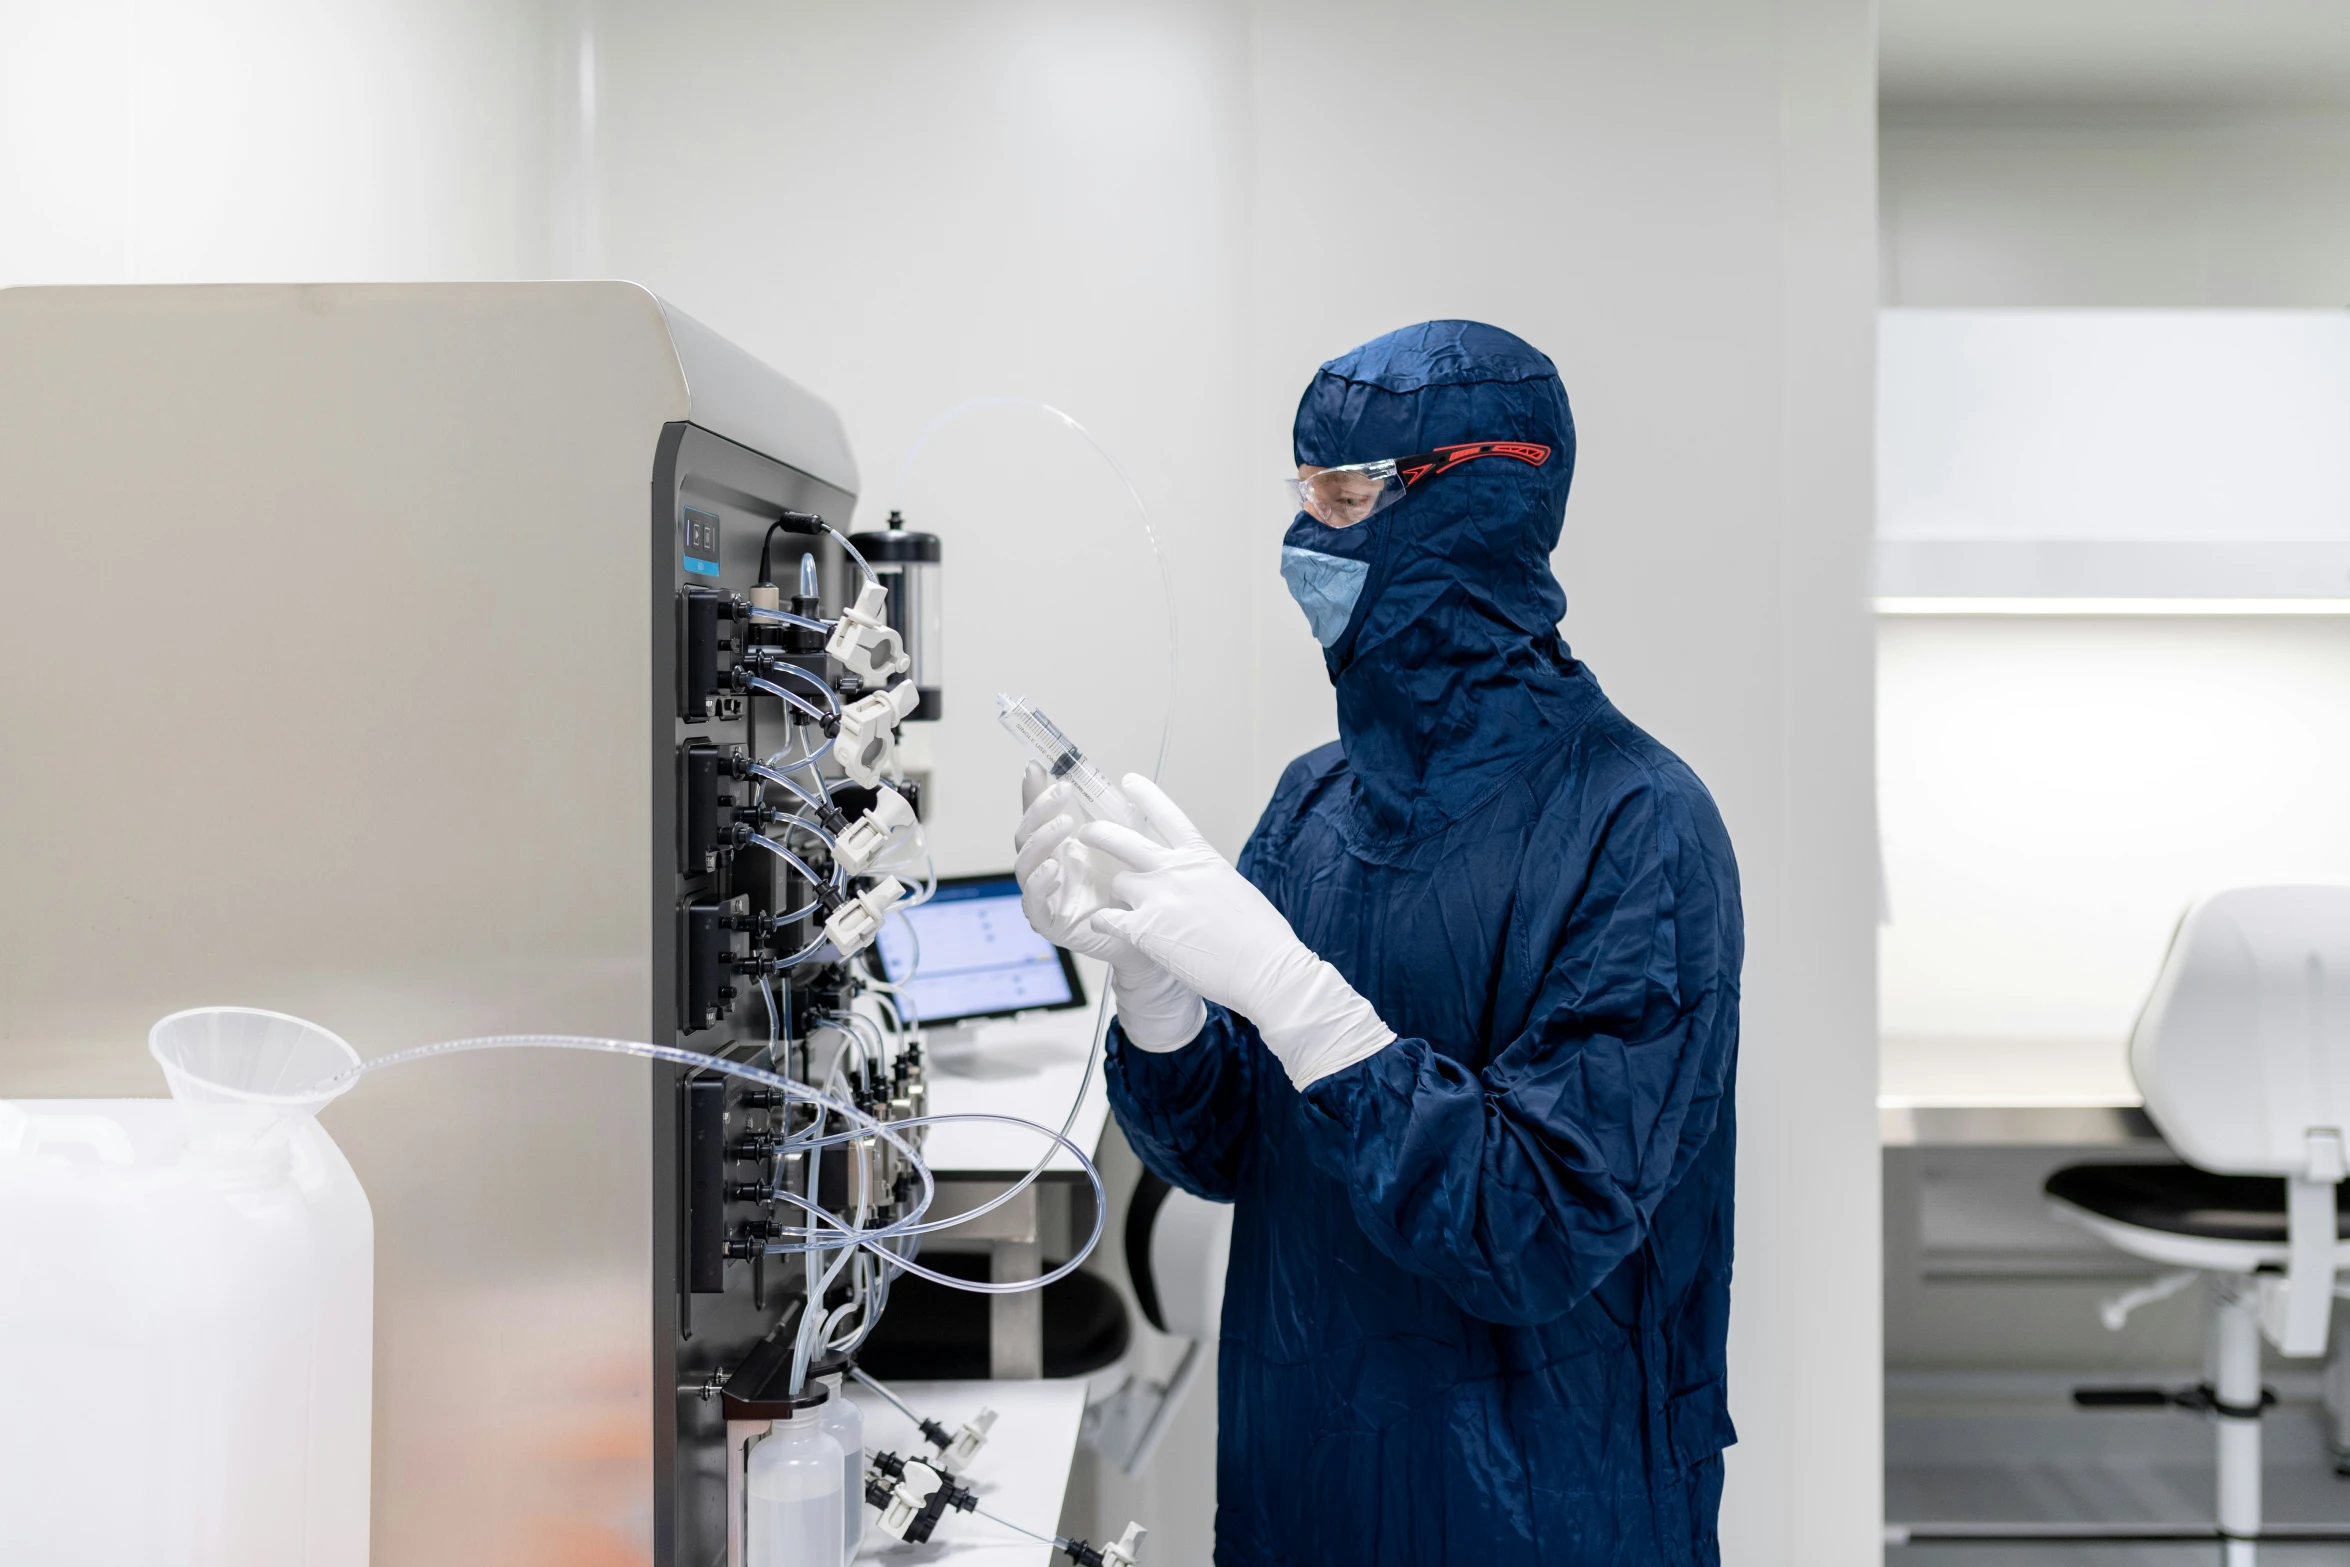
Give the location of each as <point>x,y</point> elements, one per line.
<point>970,1439</point>
<point>1122,1553</point>
<point>865,642</point>
<point>864,745</point>
<point>857,921</point>
<point>864,839</point>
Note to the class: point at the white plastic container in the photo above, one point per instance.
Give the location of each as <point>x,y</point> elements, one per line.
<point>794,1483</point>
<point>186,1322</point>
<point>846,1425</point>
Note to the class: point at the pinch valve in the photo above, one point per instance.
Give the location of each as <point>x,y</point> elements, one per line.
<point>863,641</point>
<point>864,744</point>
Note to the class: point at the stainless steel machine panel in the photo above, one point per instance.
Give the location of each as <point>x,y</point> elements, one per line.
<point>337,644</point>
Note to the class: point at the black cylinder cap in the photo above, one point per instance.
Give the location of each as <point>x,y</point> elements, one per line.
<point>897,544</point>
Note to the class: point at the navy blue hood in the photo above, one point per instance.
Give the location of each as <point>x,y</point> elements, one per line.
<point>1451,669</point>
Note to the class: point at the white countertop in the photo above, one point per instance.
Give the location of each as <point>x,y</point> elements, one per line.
<point>1028,1066</point>
<point>2004,1073</point>
<point>1020,1474</point>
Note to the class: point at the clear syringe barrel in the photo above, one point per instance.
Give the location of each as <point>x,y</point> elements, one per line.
<point>1054,750</point>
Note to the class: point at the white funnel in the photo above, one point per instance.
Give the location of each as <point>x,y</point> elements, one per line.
<point>240,1059</point>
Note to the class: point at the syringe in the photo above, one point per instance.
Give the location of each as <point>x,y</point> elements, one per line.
<point>1055,750</point>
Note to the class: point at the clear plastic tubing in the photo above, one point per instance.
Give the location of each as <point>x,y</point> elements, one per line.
<point>773,776</point>
<point>762,841</point>
<point>860,1125</point>
<point>914,1224</point>
<point>793,698</point>
<point>1142,516</point>
<point>1101,1012</point>
<point>843,540</point>
<point>784,617</point>
<point>802,824</point>
<point>808,762</point>
<point>819,687</point>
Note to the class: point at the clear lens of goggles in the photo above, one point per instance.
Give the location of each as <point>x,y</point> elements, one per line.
<point>1342,497</point>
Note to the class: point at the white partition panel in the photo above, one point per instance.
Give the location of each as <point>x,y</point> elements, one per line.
<point>2114,453</point>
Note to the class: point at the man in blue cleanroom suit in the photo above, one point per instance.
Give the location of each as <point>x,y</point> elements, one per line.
<point>1458,1038</point>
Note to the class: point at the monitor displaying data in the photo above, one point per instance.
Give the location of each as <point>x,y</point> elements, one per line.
<point>977,956</point>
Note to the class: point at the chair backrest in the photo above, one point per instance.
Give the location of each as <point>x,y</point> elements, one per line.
<point>2243,1049</point>
<point>1176,1250</point>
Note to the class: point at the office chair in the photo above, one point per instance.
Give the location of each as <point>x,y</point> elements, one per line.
<point>2243,1056</point>
<point>1176,1249</point>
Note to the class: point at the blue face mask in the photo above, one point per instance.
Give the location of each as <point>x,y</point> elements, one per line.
<point>1325,587</point>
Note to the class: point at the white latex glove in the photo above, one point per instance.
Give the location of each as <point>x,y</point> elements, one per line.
<point>1189,911</point>
<point>1061,889</point>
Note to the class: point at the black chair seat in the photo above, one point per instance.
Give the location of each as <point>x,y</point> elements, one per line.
<point>2179,1199</point>
<point>931,1333</point>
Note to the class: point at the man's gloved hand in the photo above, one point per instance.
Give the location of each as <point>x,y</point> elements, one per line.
<point>1061,884</point>
<point>1189,911</point>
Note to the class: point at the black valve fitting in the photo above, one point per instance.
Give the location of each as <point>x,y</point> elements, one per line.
<point>804,523</point>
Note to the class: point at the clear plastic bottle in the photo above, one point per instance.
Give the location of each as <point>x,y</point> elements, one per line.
<point>845,1425</point>
<point>793,1484</point>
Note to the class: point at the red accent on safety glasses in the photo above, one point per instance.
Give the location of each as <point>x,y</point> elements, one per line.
<point>1446,458</point>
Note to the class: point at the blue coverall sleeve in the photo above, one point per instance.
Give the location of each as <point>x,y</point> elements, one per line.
<point>1519,1189</point>
<point>1190,1113</point>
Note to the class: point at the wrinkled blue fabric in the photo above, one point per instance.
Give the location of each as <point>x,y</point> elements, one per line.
<point>1479,1282</point>
<point>1325,587</point>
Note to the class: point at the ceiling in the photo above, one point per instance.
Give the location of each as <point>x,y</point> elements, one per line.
<point>2219,54</point>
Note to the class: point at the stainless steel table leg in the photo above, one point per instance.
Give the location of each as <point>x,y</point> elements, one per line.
<point>1015,1323</point>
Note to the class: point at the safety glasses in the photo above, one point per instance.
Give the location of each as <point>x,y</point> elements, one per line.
<point>1356,492</point>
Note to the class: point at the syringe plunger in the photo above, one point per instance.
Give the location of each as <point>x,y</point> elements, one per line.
<point>1055,750</point>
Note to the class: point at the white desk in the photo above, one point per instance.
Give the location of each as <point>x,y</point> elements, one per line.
<point>2007,1091</point>
<point>1020,1474</point>
<point>1027,1066</point>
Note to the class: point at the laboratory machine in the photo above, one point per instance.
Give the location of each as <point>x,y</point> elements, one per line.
<point>450,661</point>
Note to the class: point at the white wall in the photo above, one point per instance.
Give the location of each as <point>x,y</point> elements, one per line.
<point>2056,790</point>
<point>270,140</point>
<point>909,206</point>
<point>2152,206</point>
<point>1161,217</point>
<point>2053,791</point>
